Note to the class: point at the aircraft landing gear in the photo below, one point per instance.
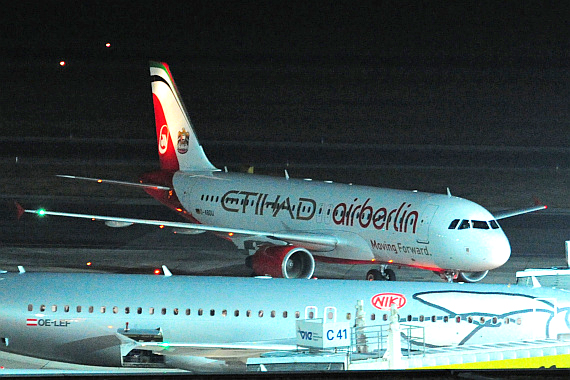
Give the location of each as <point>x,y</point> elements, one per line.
<point>448,275</point>
<point>383,274</point>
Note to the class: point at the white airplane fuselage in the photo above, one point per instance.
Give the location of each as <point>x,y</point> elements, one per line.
<point>373,224</point>
<point>87,318</point>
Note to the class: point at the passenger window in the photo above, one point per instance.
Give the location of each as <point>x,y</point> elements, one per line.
<point>284,314</point>
<point>66,308</point>
<point>103,309</point>
<point>409,318</point>
<point>453,224</point>
<point>519,321</point>
<point>464,224</point>
<point>248,313</point>
<point>494,224</point>
<point>385,317</point>
<point>90,309</point>
<point>272,313</point>
<point>260,313</point>
<point>507,320</point>
<point>470,319</point>
<point>200,311</point>
<point>458,319</point>
<point>495,320</point>
<point>482,320</point>
<point>297,314</point>
<point>236,313</point>
<point>163,311</point>
<point>311,315</point>
<point>348,316</point>
<point>30,307</point>
<point>421,319</point>
<point>433,318</point>
<point>139,310</point>
<point>224,313</point>
<point>372,317</point>
<point>127,310</point>
<point>480,224</point>
<point>212,312</point>
<point>151,310</point>
<point>187,311</point>
<point>78,309</point>
<point>54,308</point>
<point>115,309</point>
<point>446,319</point>
<point>175,311</point>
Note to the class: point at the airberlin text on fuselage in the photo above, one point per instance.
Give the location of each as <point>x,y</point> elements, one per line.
<point>400,219</point>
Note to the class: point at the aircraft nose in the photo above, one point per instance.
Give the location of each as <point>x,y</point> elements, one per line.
<point>499,251</point>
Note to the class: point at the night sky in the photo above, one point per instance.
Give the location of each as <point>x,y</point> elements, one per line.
<point>476,73</point>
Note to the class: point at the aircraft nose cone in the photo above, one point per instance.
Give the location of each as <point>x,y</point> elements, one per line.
<point>499,251</point>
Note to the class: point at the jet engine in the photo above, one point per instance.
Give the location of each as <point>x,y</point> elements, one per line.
<point>471,276</point>
<point>283,261</point>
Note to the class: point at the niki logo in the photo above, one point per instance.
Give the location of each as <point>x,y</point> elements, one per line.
<point>163,139</point>
<point>384,301</point>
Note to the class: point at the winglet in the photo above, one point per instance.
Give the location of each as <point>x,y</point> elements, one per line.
<point>19,210</point>
<point>166,271</point>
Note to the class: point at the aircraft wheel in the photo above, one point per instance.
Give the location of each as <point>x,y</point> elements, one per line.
<point>390,275</point>
<point>374,275</point>
<point>471,276</point>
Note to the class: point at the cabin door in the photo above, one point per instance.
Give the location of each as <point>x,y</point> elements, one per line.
<point>423,224</point>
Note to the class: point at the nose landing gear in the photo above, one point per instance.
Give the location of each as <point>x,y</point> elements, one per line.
<point>383,274</point>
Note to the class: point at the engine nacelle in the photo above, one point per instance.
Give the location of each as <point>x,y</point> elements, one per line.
<point>283,262</point>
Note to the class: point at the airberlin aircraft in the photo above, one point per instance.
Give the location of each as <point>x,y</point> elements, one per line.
<point>287,223</point>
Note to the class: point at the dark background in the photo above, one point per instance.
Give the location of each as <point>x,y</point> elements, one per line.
<point>391,72</point>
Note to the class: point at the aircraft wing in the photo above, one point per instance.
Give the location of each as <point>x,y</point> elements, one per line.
<point>313,241</point>
<point>113,182</point>
<point>509,213</point>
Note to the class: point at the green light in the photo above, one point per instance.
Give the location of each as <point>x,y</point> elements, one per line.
<point>41,212</point>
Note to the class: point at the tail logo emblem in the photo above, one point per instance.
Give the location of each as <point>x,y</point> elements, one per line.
<point>163,139</point>
<point>183,137</point>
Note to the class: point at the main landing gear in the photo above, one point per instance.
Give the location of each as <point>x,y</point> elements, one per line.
<point>383,274</point>
<point>456,276</point>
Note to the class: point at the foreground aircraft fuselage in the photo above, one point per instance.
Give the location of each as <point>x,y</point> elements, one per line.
<point>198,322</point>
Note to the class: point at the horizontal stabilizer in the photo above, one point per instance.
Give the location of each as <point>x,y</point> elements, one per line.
<point>113,182</point>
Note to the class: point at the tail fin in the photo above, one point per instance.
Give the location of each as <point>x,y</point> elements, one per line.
<point>178,147</point>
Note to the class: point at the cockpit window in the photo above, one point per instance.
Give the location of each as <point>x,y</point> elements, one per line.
<point>453,224</point>
<point>480,224</point>
<point>464,224</point>
<point>494,224</point>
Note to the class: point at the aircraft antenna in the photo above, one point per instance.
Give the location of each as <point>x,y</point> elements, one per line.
<point>448,192</point>
<point>21,269</point>
<point>286,174</point>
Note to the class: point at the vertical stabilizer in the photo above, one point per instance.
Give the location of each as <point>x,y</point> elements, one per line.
<point>178,147</point>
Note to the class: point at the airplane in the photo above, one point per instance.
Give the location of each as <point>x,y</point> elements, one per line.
<point>286,224</point>
<point>216,323</point>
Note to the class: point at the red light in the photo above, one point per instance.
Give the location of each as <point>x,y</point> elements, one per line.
<point>62,63</point>
<point>88,263</point>
<point>108,44</point>
<point>231,234</point>
<point>100,180</point>
<point>161,226</point>
<point>390,261</point>
<point>157,271</point>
